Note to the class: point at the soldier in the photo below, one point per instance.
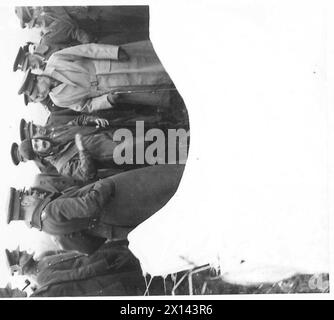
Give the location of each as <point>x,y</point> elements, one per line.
<point>82,124</point>
<point>108,75</point>
<point>34,56</point>
<point>55,23</point>
<point>80,152</point>
<point>111,270</point>
<point>26,60</point>
<point>94,158</point>
<point>104,24</point>
<point>107,209</point>
<point>114,24</point>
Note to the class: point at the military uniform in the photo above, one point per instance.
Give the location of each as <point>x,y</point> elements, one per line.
<point>81,165</point>
<point>21,61</point>
<point>57,25</point>
<point>113,24</point>
<point>99,149</point>
<point>54,182</point>
<point>109,208</point>
<point>110,271</point>
<point>88,73</point>
<point>97,161</point>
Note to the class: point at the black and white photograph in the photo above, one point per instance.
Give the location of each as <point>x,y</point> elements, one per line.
<point>166,149</point>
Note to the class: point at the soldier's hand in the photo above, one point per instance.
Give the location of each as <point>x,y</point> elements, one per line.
<point>78,142</point>
<point>100,122</point>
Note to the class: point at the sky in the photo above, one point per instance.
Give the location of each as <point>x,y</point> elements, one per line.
<point>255,77</point>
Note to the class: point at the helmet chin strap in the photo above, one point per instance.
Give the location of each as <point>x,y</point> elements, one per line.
<point>27,282</point>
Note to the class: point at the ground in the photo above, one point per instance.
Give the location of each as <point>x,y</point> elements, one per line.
<point>207,281</point>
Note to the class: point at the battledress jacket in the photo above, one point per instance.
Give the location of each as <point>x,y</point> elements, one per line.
<point>72,265</point>
<point>59,28</point>
<point>111,270</point>
<point>112,24</point>
<point>98,158</point>
<point>88,73</point>
<point>109,208</point>
<point>63,130</point>
<point>117,117</point>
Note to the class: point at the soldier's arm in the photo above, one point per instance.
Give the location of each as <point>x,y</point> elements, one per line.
<point>103,261</point>
<point>97,104</point>
<point>85,120</point>
<point>44,166</point>
<point>81,272</point>
<point>82,36</point>
<point>87,206</point>
<point>63,29</point>
<point>58,33</point>
<point>90,105</point>
<point>92,51</point>
<point>82,168</point>
<point>85,271</point>
<point>50,253</point>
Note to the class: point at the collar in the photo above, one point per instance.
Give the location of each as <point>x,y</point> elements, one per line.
<point>51,71</point>
<point>36,219</point>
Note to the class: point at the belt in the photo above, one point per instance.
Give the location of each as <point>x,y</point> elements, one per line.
<point>108,231</point>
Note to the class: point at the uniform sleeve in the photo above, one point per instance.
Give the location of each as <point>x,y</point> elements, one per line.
<point>97,104</point>
<point>82,168</point>
<point>56,273</point>
<point>89,105</point>
<point>90,270</point>
<point>83,120</point>
<point>87,206</point>
<point>50,253</point>
<point>65,34</point>
<point>92,51</point>
<point>45,166</point>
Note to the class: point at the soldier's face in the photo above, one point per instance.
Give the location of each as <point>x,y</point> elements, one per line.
<point>40,145</point>
<point>38,130</point>
<point>34,61</point>
<point>29,202</point>
<point>41,89</point>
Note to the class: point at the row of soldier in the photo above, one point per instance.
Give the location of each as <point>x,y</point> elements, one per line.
<point>96,71</point>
